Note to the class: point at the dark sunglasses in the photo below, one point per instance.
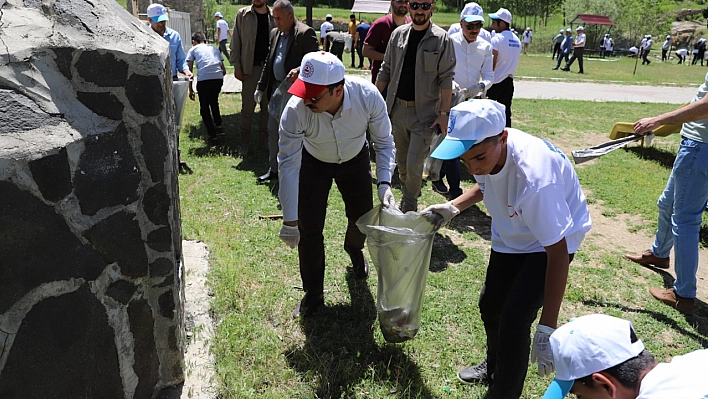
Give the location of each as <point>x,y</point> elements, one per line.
<point>424,6</point>
<point>474,25</point>
<point>315,100</point>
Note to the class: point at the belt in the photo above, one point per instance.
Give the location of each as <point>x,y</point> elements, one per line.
<point>404,103</point>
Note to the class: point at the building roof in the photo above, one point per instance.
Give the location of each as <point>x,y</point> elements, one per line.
<point>592,19</point>
<point>371,6</point>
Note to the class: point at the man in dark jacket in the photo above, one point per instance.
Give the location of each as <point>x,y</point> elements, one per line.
<point>290,40</point>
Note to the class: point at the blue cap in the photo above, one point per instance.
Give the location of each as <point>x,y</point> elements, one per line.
<point>558,389</point>
<point>470,123</point>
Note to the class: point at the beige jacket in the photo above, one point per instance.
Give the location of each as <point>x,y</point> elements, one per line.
<point>243,39</point>
<point>434,69</point>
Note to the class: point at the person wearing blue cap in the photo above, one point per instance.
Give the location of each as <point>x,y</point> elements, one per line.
<point>600,356</point>
<point>157,15</point>
<point>539,219</point>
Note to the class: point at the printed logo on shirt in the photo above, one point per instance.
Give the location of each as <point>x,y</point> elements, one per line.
<point>308,69</point>
<point>512,211</point>
<point>451,124</point>
<point>554,148</point>
<point>514,43</point>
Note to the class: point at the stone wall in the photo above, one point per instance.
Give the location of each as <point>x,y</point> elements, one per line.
<point>91,292</point>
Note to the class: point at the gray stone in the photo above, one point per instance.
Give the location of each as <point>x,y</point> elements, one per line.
<point>104,104</point>
<point>161,267</point>
<point>18,113</point>
<point>161,239</point>
<point>103,70</point>
<point>156,204</point>
<point>35,242</point>
<point>146,359</point>
<point>63,344</point>
<point>107,174</point>
<point>52,175</point>
<point>122,291</point>
<point>167,305</point>
<point>118,239</point>
<point>63,59</point>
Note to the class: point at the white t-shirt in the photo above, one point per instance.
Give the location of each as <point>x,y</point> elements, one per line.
<point>609,44</point>
<point>536,199</point>
<point>208,60</point>
<point>474,62</point>
<point>224,28</point>
<point>483,33</point>
<point>508,50</point>
<point>684,378</point>
<point>325,27</point>
<point>682,52</point>
<point>527,36</point>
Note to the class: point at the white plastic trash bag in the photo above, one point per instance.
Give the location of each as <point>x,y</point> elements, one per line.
<point>180,89</point>
<point>432,166</point>
<point>347,42</point>
<point>400,246</point>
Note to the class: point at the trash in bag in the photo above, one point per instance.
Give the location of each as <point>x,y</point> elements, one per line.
<point>400,246</point>
<point>431,166</point>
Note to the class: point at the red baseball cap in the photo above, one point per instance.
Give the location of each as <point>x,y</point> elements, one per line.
<point>318,69</point>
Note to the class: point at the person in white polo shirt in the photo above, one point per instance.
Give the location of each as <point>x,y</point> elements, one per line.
<point>325,27</point>
<point>470,9</point>
<point>223,33</point>
<point>323,139</point>
<point>506,49</point>
<point>578,50</point>
<point>539,218</point>
<point>600,356</point>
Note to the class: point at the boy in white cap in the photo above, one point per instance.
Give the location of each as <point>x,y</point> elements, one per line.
<point>223,33</point>
<point>600,356</point>
<point>539,218</point>
<point>470,9</point>
<point>578,50</point>
<point>506,49</point>
<point>323,139</point>
<point>325,27</point>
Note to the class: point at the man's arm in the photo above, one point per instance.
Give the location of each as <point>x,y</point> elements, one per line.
<point>372,36</point>
<point>556,279</point>
<point>218,34</point>
<point>289,159</point>
<point>380,128</point>
<point>689,113</point>
<point>182,60</point>
<point>310,41</point>
<point>369,52</point>
<point>495,54</point>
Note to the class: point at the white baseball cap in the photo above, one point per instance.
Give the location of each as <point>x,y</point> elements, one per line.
<point>668,36</point>
<point>218,14</point>
<point>317,70</point>
<point>502,14</point>
<point>579,28</point>
<point>587,345</point>
<point>568,30</point>
<point>470,123</point>
<point>472,12</point>
<point>157,13</point>
<point>328,16</point>
<point>561,31</point>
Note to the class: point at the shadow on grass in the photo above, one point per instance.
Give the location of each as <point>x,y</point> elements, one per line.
<point>657,155</point>
<point>340,351</point>
<point>444,252</point>
<point>473,220</point>
<point>695,319</point>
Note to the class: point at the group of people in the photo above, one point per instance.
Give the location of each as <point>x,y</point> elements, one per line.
<point>568,44</point>
<point>317,124</point>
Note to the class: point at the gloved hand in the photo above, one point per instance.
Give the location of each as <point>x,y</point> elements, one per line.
<point>541,351</point>
<point>440,214</point>
<point>386,196</point>
<point>258,96</point>
<point>290,235</point>
<point>455,87</point>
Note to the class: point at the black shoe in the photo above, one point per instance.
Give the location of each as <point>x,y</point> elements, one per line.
<point>565,69</point>
<point>308,305</point>
<point>452,194</point>
<point>581,72</point>
<point>439,187</point>
<point>555,69</point>
<point>475,374</point>
<point>212,140</point>
<point>221,131</point>
<point>360,265</point>
<point>270,176</point>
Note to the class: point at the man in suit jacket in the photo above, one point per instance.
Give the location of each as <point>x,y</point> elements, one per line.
<point>290,40</point>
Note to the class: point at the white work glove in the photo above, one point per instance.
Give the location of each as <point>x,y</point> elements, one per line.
<point>439,215</point>
<point>455,87</point>
<point>541,351</point>
<point>258,96</point>
<point>386,196</point>
<point>290,235</point>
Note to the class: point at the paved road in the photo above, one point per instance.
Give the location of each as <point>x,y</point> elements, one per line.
<point>533,89</point>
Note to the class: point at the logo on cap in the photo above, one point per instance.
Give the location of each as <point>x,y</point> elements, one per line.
<point>308,69</point>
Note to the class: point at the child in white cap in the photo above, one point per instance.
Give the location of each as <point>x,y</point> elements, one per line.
<point>600,356</point>
<point>539,218</point>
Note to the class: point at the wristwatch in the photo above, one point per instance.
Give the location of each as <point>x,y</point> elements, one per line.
<point>445,113</point>
<point>388,183</point>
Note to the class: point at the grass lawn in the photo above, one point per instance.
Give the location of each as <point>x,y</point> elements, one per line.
<point>340,352</point>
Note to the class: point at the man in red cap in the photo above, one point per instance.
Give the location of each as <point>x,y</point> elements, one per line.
<point>323,139</point>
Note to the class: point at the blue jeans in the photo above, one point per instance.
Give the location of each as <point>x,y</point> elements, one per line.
<point>681,207</point>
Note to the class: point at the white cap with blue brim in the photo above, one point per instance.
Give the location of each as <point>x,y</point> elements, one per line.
<point>470,123</point>
<point>587,345</point>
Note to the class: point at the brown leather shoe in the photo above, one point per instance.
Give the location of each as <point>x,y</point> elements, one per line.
<point>647,258</point>
<point>670,298</point>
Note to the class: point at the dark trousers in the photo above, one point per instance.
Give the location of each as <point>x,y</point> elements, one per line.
<point>556,50</point>
<point>503,93</point>
<point>209,103</point>
<point>337,49</point>
<point>451,170</point>
<point>663,55</point>
<point>509,303</point>
<point>224,48</point>
<point>698,57</point>
<point>645,54</point>
<point>561,56</point>
<point>577,54</point>
<point>359,49</point>
<point>353,180</point>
